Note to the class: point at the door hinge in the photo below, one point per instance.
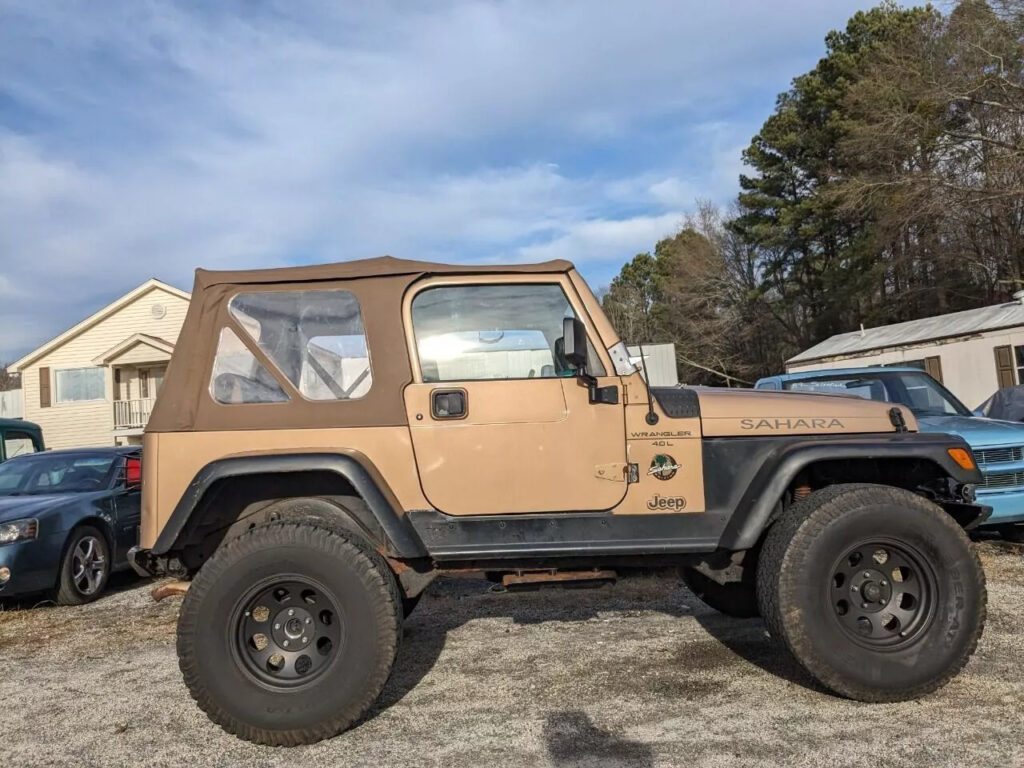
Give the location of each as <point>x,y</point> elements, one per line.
<point>632,473</point>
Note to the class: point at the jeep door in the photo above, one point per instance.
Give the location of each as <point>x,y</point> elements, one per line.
<point>500,422</point>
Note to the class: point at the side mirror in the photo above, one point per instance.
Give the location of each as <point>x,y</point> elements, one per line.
<point>574,337</point>
<point>132,473</point>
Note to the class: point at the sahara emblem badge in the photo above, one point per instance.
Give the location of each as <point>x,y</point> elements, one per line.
<point>663,467</point>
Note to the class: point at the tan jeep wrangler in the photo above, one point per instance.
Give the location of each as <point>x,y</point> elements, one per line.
<point>330,438</point>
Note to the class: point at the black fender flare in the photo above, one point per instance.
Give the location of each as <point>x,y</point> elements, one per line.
<point>400,538</point>
<point>774,467</point>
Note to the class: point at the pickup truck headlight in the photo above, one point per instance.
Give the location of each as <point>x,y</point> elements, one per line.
<point>18,530</point>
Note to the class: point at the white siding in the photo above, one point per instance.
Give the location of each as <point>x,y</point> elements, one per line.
<point>12,404</point>
<point>660,362</point>
<point>72,425</point>
<point>968,364</point>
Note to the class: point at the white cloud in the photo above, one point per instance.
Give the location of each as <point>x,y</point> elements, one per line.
<point>147,138</point>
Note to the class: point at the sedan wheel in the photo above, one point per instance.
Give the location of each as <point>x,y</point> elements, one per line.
<point>85,569</point>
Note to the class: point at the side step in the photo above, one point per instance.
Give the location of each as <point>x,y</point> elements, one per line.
<point>553,576</point>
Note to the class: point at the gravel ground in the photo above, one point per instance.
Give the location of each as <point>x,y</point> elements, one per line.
<point>639,673</point>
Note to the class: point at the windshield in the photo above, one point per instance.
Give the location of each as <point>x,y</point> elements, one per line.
<point>918,391</point>
<point>44,473</point>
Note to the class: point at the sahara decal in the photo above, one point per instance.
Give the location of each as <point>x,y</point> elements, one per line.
<point>791,424</point>
<point>667,502</point>
<point>663,467</point>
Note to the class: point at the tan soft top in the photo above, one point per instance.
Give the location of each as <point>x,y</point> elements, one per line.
<point>184,404</point>
<point>382,266</point>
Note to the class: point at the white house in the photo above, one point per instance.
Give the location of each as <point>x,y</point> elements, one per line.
<point>974,352</point>
<point>95,384</point>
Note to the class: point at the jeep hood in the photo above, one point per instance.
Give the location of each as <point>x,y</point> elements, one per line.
<point>762,413</point>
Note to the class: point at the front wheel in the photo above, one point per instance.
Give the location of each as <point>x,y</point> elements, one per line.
<point>288,633</point>
<point>874,590</point>
<point>85,568</point>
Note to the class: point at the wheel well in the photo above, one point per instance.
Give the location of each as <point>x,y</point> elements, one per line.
<point>232,501</point>
<point>921,476</point>
<point>99,524</point>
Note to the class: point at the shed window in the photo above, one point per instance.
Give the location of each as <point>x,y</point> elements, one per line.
<point>315,338</point>
<point>76,385</point>
<point>1018,359</point>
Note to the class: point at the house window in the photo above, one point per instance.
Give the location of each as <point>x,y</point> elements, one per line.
<point>1018,359</point>
<point>315,338</point>
<point>75,385</point>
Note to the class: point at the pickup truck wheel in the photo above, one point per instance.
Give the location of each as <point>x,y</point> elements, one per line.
<point>288,633</point>
<point>737,598</point>
<point>874,590</point>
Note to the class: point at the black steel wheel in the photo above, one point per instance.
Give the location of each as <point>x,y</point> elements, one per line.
<point>875,590</point>
<point>883,593</point>
<point>289,632</point>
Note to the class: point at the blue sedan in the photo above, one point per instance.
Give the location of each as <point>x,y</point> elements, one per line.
<point>998,446</point>
<point>67,520</point>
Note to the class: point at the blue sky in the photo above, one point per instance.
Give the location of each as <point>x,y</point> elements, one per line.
<point>143,139</point>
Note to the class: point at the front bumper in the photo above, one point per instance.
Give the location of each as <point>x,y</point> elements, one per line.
<point>34,564</point>
<point>1007,506</point>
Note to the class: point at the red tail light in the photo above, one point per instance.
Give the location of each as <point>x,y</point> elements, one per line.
<point>133,471</point>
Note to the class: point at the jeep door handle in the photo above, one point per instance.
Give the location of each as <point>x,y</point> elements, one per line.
<point>449,404</point>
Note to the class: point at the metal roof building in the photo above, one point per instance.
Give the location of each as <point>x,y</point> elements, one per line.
<point>973,352</point>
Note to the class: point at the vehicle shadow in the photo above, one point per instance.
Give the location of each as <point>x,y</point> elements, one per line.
<point>572,739</point>
<point>450,603</point>
<point>120,581</point>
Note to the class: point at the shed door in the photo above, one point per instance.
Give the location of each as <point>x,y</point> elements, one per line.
<point>499,424</point>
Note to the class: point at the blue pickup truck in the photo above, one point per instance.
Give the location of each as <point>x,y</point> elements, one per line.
<point>998,446</point>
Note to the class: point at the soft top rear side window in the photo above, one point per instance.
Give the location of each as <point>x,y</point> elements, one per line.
<point>315,338</point>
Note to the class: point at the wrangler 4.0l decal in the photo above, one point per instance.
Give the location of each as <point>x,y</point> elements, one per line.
<point>790,423</point>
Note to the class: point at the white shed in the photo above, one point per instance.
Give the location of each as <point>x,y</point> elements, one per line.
<point>974,352</point>
<point>660,360</point>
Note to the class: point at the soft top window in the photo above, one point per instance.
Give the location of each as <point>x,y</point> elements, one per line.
<point>315,338</point>
<point>502,331</point>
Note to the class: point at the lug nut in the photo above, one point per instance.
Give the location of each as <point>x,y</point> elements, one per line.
<point>853,588</point>
<point>867,574</point>
<point>309,620</point>
<point>863,605</point>
<point>285,643</point>
<point>291,611</point>
<point>305,640</point>
<point>277,626</point>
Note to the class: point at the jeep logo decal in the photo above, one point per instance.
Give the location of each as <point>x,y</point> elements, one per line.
<point>790,423</point>
<point>677,503</point>
<point>663,467</point>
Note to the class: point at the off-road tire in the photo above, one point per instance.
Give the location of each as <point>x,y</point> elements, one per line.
<point>370,614</point>
<point>735,598</point>
<point>68,591</point>
<point>795,579</point>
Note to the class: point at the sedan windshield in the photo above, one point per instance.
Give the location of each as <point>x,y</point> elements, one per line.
<point>42,473</point>
<point>918,391</point>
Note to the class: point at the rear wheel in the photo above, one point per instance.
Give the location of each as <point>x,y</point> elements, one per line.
<point>288,633</point>
<point>736,598</point>
<point>875,590</point>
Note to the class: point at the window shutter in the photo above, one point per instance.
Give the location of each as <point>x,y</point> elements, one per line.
<point>44,387</point>
<point>1004,366</point>
<point>117,384</point>
<point>933,367</point>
